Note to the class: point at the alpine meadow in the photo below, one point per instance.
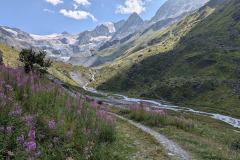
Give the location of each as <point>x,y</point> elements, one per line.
<point>120,80</point>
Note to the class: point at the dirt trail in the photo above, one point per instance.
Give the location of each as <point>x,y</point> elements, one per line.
<point>139,145</point>
<point>171,147</point>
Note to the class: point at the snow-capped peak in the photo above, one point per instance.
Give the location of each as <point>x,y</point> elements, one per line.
<point>10,30</point>
<point>110,26</point>
<point>45,37</point>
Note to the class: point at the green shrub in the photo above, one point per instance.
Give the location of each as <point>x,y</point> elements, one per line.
<point>107,133</point>
<point>34,61</point>
<point>183,124</point>
<point>235,144</point>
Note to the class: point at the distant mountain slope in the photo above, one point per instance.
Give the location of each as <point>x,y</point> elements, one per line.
<point>202,70</point>
<point>86,48</point>
<point>134,30</point>
<point>175,8</point>
<point>61,46</point>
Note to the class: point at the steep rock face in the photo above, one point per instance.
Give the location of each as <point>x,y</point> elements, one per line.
<point>119,24</point>
<point>175,8</point>
<point>14,37</point>
<point>86,36</point>
<point>133,23</point>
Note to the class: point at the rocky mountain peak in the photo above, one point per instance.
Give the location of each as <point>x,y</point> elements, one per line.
<point>133,23</point>
<point>175,8</point>
<point>134,19</point>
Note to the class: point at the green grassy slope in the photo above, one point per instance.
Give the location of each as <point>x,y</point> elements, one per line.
<point>39,119</point>
<point>201,71</point>
<point>149,44</point>
<point>58,69</point>
<point>203,137</point>
<point>10,56</point>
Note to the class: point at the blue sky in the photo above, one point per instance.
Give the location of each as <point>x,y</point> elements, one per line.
<point>56,16</point>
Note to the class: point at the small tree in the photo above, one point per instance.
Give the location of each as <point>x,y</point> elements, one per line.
<point>34,61</point>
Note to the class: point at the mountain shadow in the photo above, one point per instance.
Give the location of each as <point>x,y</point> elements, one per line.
<point>202,71</point>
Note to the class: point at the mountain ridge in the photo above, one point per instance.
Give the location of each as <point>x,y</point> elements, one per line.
<point>85,45</point>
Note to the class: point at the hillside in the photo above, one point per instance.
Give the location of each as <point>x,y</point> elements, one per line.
<point>59,70</point>
<point>39,119</point>
<point>201,70</point>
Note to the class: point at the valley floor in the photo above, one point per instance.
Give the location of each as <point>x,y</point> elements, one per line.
<point>203,138</point>
<point>209,139</point>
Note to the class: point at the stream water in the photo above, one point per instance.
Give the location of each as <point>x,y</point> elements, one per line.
<point>121,99</point>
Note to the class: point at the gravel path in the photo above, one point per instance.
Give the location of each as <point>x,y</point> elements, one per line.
<point>171,147</point>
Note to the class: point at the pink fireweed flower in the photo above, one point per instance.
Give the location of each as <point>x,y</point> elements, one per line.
<point>28,120</point>
<point>94,104</point>
<point>22,81</point>
<point>104,108</point>
<point>147,109</point>
<point>6,130</point>
<point>2,82</point>
<point>3,99</point>
<point>159,112</point>
<point>88,99</point>
<point>135,107</point>
<point>9,88</point>
<point>69,104</point>
<point>111,120</point>
<point>31,146</point>
<point>3,96</point>
<point>101,114</point>
<point>32,134</point>
<point>51,124</point>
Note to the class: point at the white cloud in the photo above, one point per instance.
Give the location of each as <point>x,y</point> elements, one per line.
<point>48,10</point>
<point>131,6</point>
<point>82,2</point>
<point>75,6</point>
<point>55,2</point>
<point>77,14</point>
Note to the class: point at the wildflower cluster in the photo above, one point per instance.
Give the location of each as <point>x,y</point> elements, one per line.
<point>39,120</point>
<point>157,117</point>
<point>142,113</point>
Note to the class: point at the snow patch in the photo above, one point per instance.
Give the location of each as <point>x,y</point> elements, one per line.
<point>101,38</point>
<point>110,27</point>
<point>45,37</point>
<point>72,39</point>
<point>10,30</point>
